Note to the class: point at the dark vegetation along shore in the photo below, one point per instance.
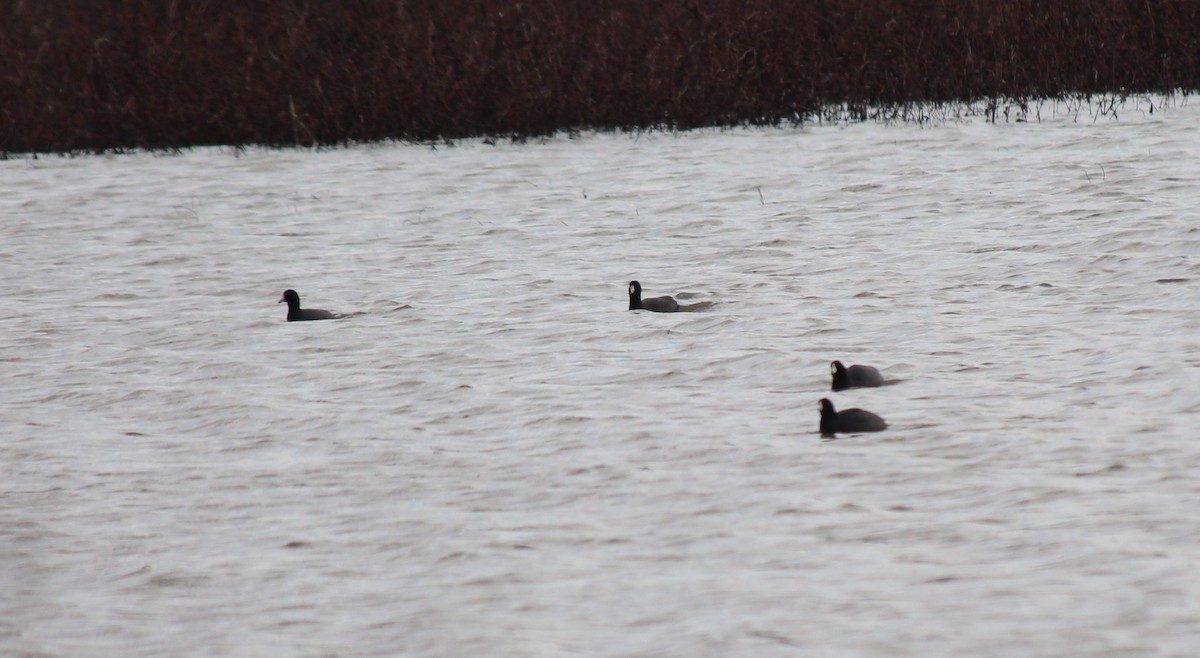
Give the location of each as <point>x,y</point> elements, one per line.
<point>87,75</point>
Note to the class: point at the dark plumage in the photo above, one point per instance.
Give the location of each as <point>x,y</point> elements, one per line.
<point>656,304</point>
<point>854,376</point>
<point>297,314</point>
<point>850,420</point>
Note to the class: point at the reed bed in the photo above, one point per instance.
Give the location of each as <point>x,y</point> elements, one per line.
<point>81,75</point>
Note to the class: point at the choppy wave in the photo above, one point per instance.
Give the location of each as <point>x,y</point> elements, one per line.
<point>494,457</point>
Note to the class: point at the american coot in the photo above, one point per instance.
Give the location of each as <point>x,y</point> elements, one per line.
<point>660,304</point>
<point>296,314</point>
<point>850,420</point>
<point>854,376</point>
<point>656,304</point>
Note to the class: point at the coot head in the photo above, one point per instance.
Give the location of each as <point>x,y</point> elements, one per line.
<point>841,378</point>
<point>828,416</point>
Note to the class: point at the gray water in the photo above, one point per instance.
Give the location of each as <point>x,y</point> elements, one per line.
<point>493,457</point>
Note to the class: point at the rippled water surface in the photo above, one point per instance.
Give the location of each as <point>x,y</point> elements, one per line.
<point>493,457</point>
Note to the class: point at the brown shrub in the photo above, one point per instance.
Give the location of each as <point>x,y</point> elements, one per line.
<point>94,76</point>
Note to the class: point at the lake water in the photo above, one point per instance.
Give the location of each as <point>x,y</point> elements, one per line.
<point>493,457</point>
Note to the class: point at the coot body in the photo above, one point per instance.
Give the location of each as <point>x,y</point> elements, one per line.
<point>656,304</point>
<point>297,314</point>
<point>848,421</point>
<point>854,376</point>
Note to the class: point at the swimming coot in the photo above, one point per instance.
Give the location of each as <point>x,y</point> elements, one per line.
<point>296,314</point>
<point>854,376</point>
<point>661,304</point>
<point>850,420</point>
<point>656,304</point>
